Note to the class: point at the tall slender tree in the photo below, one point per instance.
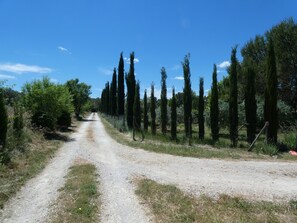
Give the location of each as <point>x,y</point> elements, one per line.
<point>270,107</point>
<point>121,87</point>
<point>136,108</point>
<point>3,129</point>
<point>233,106</point>
<point>173,115</point>
<point>250,104</point>
<point>113,95</point>
<point>187,96</point>
<point>201,109</point>
<point>153,109</point>
<point>130,80</point>
<point>107,105</point>
<point>214,106</point>
<point>145,111</point>
<point>164,118</point>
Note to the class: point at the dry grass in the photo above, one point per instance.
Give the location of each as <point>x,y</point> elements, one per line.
<point>169,204</point>
<point>78,201</point>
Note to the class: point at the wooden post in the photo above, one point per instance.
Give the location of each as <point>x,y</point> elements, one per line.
<point>264,127</point>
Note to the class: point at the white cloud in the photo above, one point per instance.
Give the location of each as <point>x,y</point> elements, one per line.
<point>63,49</point>
<point>105,71</point>
<point>179,78</point>
<point>5,77</point>
<point>23,68</point>
<point>136,60</point>
<point>224,64</point>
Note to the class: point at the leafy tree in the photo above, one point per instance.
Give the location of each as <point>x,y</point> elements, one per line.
<point>187,96</point>
<point>250,104</point>
<point>136,108</point>
<point>46,101</point>
<point>130,81</point>
<point>270,106</point>
<point>18,121</point>
<point>113,95</point>
<point>153,109</point>
<point>233,104</point>
<point>214,106</point>
<point>121,87</point>
<point>201,110</point>
<point>3,129</point>
<point>80,93</point>
<point>173,115</point>
<point>145,111</point>
<point>164,118</point>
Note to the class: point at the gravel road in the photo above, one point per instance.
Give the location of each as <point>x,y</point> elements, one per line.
<point>118,166</point>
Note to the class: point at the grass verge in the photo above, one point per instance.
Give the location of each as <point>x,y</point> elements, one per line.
<point>78,199</point>
<point>169,204</point>
<point>155,144</point>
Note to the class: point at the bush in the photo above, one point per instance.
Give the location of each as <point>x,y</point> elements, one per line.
<point>65,119</point>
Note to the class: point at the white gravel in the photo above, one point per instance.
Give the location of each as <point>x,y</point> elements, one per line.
<point>118,165</point>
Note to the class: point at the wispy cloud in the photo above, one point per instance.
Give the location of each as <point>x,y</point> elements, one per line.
<point>23,68</point>
<point>63,49</point>
<point>6,77</point>
<point>224,64</point>
<point>179,78</point>
<point>105,71</point>
<point>136,60</point>
<point>175,67</point>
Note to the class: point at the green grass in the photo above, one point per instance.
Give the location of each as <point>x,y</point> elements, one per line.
<point>200,148</point>
<point>169,204</point>
<point>77,202</point>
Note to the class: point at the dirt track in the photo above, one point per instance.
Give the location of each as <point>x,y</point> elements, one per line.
<point>118,165</point>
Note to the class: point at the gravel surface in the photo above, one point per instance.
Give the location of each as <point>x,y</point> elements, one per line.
<point>118,166</point>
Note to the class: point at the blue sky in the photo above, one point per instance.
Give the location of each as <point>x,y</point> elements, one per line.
<point>66,39</point>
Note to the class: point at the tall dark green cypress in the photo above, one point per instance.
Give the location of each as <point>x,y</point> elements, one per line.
<point>270,107</point>
<point>187,96</point>
<point>113,95</point>
<point>173,115</point>
<point>107,105</point>
<point>136,108</point>
<point>201,109</point>
<point>121,87</point>
<point>153,110</point>
<point>130,80</point>
<point>214,106</point>
<point>250,104</point>
<point>145,111</point>
<point>233,106</point>
<point>3,129</point>
<point>164,118</point>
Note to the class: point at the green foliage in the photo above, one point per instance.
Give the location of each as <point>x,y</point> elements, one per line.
<point>164,118</point>
<point>131,82</point>
<point>187,96</point>
<point>80,93</point>
<point>64,120</point>
<point>266,149</point>
<point>153,110</point>
<point>121,87</point>
<point>270,105</point>
<point>173,115</point>
<point>145,111</point>
<point>105,99</point>
<point>233,103</point>
<point>46,101</point>
<point>201,110</point>
<point>113,94</point>
<point>136,108</point>
<point>18,120</point>
<point>214,106</point>
<point>4,158</point>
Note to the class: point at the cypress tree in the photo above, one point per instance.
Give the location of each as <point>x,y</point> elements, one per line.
<point>187,96</point>
<point>214,106</point>
<point>107,106</point>
<point>3,129</point>
<point>201,109</point>
<point>136,108</point>
<point>233,106</point>
<point>270,107</point>
<point>130,80</point>
<point>121,87</point>
<point>114,93</point>
<point>173,115</point>
<point>145,111</point>
<point>164,118</point>
<point>110,99</point>
<point>153,109</point>
<point>250,104</point>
